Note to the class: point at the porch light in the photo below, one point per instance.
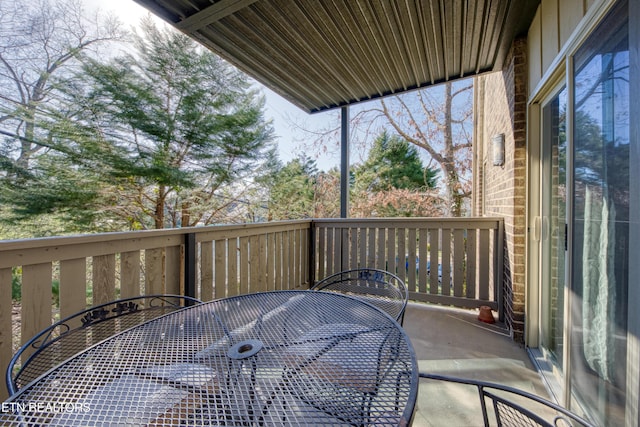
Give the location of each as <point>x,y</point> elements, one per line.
<point>498,149</point>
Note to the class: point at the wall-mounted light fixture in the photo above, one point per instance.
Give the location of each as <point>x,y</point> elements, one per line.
<point>498,149</point>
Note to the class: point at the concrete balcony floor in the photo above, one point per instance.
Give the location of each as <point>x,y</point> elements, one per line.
<point>454,342</point>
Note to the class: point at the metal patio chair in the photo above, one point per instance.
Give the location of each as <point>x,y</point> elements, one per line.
<point>512,407</point>
<point>378,287</point>
<point>79,331</point>
<point>351,366</point>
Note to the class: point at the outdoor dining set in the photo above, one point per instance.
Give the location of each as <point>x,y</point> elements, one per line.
<point>333,355</point>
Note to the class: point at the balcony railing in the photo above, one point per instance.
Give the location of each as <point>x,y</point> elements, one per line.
<point>452,261</point>
<point>449,261</point>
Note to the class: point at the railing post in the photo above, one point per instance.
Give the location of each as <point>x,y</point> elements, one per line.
<point>344,249</point>
<point>312,253</point>
<point>190,265</point>
<point>344,163</point>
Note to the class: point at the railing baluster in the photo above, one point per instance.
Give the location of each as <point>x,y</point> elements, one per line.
<point>129,275</point>
<point>391,249</point>
<point>484,266</point>
<point>321,253</point>
<point>412,253</point>
<point>154,272</point>
<point>330,252</point>
<point>232,286</point>
<point>459,259</point>
<point>382,244</point>
<point>498,256</point>
<point>278,263</point>
<point>291,283</point>
<point>173,265</point>
<point>104,279</point>
<point>244,265</point>
<point>446,260</point>
<point>371,247</point>
<point>471,264</point>
<point>362,242</point>
<point>206,271</point>
<point>401,269</point>
<point>220,269</point>
<point>36,299</point>
<point>307,256</point>
<point>270,252</point>
<point>73,295</point>
<point>423,255</point>
<point>6,329</point>
<point>434,261</point>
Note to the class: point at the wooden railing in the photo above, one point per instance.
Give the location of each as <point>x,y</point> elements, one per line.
<point>452,261</point>
<point>246,258</point>
<point>220,261</point>
<point>205,262</point>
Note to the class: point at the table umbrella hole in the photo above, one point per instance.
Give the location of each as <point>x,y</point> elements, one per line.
<point>244,349</point>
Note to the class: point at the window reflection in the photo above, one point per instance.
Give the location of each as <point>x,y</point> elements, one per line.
<point>601,214</point>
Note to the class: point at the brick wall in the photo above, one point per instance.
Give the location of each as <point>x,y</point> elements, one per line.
<point>500,190</point>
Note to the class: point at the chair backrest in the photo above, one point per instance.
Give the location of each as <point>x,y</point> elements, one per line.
<point>378,287</point>
<point>79,331</point>
<point>514,407</point>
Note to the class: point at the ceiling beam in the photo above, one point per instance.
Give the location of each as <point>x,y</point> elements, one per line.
<point>212,14</point>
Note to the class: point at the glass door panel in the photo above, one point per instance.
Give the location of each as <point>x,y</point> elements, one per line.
<point>554,217</point>
<point>601,197</point>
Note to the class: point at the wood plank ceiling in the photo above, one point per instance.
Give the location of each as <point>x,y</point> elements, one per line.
<point>323,54</point>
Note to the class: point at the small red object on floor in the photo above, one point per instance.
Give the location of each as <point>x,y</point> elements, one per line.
<point>486,315</point>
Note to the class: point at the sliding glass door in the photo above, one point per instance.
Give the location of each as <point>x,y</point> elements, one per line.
<point>600,246</point>
<point>554,231</point>
<point>587,221</point>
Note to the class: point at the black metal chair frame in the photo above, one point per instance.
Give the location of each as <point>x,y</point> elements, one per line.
<point>505,408</point>
<point>55,334</point>
<point>356,403</point>
<point>377,285</point>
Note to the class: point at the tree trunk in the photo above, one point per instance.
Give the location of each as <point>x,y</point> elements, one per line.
<point>449,159</point>
<point>159,211</point>
<point>185,215</point>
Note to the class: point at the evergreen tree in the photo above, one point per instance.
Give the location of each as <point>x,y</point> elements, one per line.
<point>171,133</point>
<point>393,163</point>
<point>393,182</point>
<point>292,192</point>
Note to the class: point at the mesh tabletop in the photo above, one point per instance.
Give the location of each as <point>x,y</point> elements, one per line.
<point>273,358</point>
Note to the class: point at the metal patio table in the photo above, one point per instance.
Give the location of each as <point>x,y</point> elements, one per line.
<point>272,358</point>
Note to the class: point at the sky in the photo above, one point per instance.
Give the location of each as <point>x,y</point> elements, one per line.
<point>283,114</point>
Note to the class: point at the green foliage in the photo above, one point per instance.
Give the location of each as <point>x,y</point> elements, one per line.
<point>55,292</point>
<point>393,163</point>
<point>161,137</point>
<point>393,182</point>
<point>292,190</point>
<point>16,284</point>
<point>56,197</point>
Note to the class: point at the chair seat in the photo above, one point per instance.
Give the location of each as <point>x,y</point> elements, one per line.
<point>514,407</point>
